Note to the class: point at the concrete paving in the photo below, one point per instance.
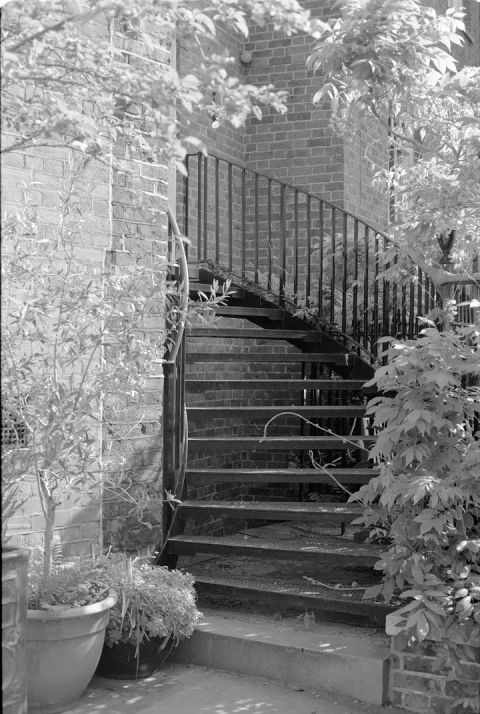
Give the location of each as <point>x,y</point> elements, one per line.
<point>189,689</point>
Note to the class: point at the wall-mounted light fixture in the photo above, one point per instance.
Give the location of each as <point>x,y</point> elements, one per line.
<point>246,57</point>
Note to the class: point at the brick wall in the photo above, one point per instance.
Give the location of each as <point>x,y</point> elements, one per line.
<point>366,152</point>
<point>298,147</point>
<point>418,685</point>
<point>139,198</point>
<point>471,48</point>
<point>123,222</point>
<point>225,141</point>
<point>43,172</point>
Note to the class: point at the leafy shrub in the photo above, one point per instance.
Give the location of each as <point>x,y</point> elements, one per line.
<point>73,583</point>
<point>428,452</point>
<point>152,601</point>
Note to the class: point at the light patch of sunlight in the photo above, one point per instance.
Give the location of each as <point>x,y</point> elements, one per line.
<point>327,647</point>
<point>243,705</point>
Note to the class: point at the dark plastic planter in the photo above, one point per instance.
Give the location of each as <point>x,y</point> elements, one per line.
<point>119,661</point>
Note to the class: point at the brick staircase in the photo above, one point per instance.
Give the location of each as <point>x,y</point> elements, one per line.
<point>259,526</point>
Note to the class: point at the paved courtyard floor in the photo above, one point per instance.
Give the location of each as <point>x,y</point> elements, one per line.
<point>188,689</point>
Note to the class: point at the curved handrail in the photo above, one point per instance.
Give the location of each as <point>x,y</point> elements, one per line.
<point>302,248</point>
<point>174,423</point>
<point>184,285</point>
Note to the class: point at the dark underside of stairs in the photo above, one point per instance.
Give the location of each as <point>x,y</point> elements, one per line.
<point>259,527</point>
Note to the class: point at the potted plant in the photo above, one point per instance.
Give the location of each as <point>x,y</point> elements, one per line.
<point>156,609</point>
<point>67,616</point>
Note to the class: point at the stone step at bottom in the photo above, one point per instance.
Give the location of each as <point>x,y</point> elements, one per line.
<point>296,652</point>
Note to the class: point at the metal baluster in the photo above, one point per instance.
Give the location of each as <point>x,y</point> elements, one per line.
<point>256,237</point>
<point>395,305</point>
<point>345,272</point>
<point>269,229</point>
<point>404,311</point>
<point>386,297</point>
<point>217,210</point>
<point>205,207</point>
<point>375,297</point>
<point>419,299</point>
<point>411,313</point>
<point>366,325</point>
<point>283,239</point>
<point>199,207</point>
<point>244,235</point>
<point>309,249</point>
<point>295,220</point>
<point>355,282</point>
<point>186,196</point>
<point>230,217</point>
<point>321,235</point>
<point>332,264</point>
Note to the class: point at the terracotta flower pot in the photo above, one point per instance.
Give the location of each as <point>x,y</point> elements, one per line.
<point>14,616</point>
<point>63,649</point>
<point>119,660</point>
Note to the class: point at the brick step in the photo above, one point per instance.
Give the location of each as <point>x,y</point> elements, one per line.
<point>300,476</point>
<point>331,549</point>
<point>324,412</point>
<point>240,311</point>
<point>339,359</point>
<point>330,605</point>
<point>323,385</point>
<point>276,443</point>
<point>255,334</point>
<point>271,510</point>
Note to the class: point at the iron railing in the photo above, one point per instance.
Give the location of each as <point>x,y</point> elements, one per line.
<point>302,249</point>
<point>174,422</point>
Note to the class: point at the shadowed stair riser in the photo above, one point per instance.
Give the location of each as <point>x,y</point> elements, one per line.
<point>252,333</point>
<point>282,385</point>
<point>292,476</point>
<point>341,360</point>
<point>325,412</point>
<point>329,606</point>
<point>239,311</point>
<point>278,443</point>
